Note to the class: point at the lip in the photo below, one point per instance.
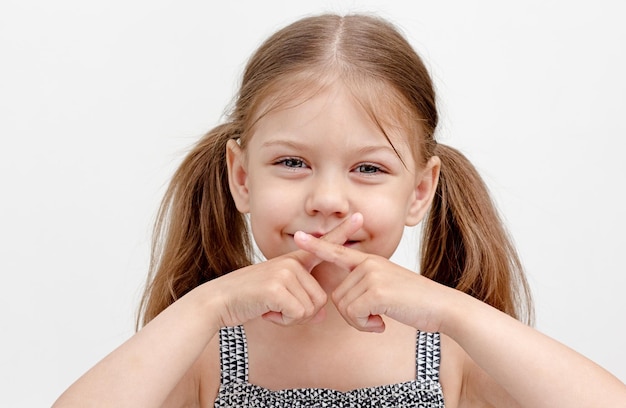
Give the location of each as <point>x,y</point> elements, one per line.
<point>348,243</point>
<point>315,234</point>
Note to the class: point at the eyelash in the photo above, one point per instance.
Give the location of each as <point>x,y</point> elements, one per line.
<point>369,166</point>
<point>285,162</point>
<point>297,163</point>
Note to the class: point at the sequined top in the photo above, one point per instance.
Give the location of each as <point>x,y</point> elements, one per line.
<point>235,390</point>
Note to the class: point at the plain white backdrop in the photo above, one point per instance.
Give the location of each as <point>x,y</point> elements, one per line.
<point>100,100</point>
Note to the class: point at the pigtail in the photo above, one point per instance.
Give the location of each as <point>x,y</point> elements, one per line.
<point>465,245</point>
<point>199,233</point>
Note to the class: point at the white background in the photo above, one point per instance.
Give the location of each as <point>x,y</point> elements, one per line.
<point>100,100</point>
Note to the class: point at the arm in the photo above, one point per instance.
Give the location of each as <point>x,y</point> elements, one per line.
<point>535,370</point>
<point>145,370</point>
<point>153,366</point>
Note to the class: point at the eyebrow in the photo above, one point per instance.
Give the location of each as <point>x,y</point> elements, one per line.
<point>301,146</point>
<point>287,143</point>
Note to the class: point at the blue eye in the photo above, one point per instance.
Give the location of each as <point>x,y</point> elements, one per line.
<point>292,162</point>
<point>367,169</point>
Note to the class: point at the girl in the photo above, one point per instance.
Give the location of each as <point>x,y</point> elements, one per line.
<point>328,153</point>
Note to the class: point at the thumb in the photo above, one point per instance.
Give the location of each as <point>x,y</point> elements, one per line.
<point>338,235</point>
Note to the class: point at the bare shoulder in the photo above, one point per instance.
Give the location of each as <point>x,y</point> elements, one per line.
<point>208,373</point>
<point>465,384</point>
<point>475,387</point>
<point>451,371</point>
<point>199,386</point>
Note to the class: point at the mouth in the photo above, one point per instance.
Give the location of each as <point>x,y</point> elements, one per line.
<point>348,243</point>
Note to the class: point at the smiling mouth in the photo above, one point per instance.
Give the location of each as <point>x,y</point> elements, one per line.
<point>348,243</point>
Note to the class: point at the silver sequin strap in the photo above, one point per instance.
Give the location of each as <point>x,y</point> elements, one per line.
<point>428,356</point>
<point>233,355</point>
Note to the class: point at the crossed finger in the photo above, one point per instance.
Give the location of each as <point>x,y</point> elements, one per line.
<point>335,238</point>
<point>308,292</point>
<point>329,250</point>
<point>350,295</point>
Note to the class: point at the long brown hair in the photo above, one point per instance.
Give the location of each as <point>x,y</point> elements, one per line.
<point>200,235</point>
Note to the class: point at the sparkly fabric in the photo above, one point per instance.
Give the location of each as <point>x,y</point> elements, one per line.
<point>235,390</point>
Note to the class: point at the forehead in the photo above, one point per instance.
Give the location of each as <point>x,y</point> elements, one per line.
<point>377,105</point>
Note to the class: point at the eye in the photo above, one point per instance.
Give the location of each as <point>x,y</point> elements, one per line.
<point>367,168</point>
<point>292,162</point>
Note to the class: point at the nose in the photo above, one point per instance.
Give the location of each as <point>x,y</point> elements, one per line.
<point>328,196</point>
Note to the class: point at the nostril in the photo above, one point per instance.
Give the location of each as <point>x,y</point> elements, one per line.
<point>327,204</point>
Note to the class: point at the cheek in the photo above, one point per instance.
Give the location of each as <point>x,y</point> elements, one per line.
<point>384,221</point>
<point>275,202</point>
<point>388,239</point>
<point>270,214</point>
<point>264,192</point>
<point>390,204</point>
<point>264,235</point>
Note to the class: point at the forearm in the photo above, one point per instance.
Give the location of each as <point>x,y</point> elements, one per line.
<point>534,369</point>
<point>147,367</point>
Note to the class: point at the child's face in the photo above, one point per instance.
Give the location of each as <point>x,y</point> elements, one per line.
<point>309,166</point>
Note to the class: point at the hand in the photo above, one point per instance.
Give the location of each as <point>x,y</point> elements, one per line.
<point>281,289</point>
<point>377,286</point>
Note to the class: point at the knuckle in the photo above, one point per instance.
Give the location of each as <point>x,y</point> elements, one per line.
<point>320,299</point>
<point>377,294</point>
<point>308,311</point>
<point>351,310</point>
<point>283,274</point>
<point>274,288</point>
<point>337,300</point>
<point>370,263</point>
<point>373,280</point>
<point>298,314</point>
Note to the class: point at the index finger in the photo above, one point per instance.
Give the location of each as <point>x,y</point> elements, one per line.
<point>337,236</point>
<point>331,252</point>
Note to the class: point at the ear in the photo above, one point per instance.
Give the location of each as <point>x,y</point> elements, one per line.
<point>237,175</point>
<point>425,188</point>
